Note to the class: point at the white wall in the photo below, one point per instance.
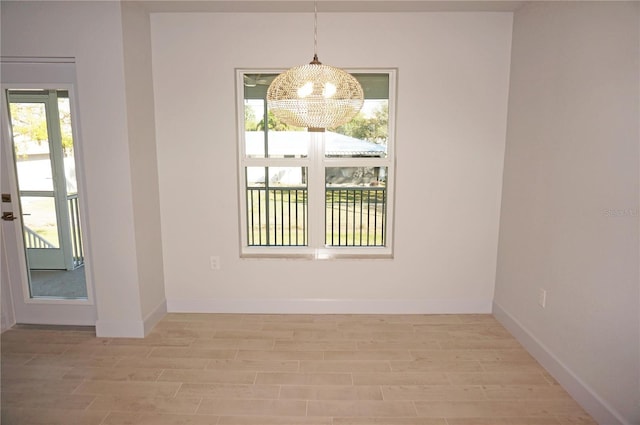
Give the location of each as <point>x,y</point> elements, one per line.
<point>569,219</point>
<point>91,32</point>
<point>453,73</point>
<point>143,161</point>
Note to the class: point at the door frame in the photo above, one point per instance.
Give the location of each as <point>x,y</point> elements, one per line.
<point>30,75</point>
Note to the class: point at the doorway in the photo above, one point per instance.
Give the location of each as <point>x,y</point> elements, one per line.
<point>43,231</point>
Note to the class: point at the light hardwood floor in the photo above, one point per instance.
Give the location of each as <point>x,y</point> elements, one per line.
<point>201,369</point>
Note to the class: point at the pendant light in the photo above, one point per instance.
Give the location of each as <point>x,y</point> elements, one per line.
<point>315,96</point>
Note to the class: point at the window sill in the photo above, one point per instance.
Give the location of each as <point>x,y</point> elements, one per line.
<point>322,254</point>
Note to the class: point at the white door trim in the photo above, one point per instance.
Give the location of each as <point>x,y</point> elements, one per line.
<point>39,73</point>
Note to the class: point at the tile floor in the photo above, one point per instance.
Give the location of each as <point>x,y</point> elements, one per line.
<point>201,369</point>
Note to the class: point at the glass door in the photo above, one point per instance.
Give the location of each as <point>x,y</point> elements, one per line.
<point>43,151</point>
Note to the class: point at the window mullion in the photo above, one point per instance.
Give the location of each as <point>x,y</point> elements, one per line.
<point>316,190</point>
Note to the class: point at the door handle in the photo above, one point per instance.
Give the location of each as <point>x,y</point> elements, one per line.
<point>8,216</point>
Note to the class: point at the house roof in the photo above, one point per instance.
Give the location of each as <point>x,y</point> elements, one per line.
<point>287,143</point>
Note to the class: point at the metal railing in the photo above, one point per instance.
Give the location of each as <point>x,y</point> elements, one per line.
<point>355,216</point>
<point>277,216</point>
<point>76,234</point>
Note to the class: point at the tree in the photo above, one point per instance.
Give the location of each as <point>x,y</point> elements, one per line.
<point>29,124</point>
<point>381,124</point>
<point>373,128</point>
<point>250,120</point>
<point>251,123</point>
<point>275,124</point>
<point>65,131</point>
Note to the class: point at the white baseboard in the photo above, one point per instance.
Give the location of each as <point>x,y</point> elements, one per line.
<point>154,317</point>
<point>131,328</point>
<point>330,306</point>
<point>590,401</point>
<point>120,329</point>
<point>6,323</point>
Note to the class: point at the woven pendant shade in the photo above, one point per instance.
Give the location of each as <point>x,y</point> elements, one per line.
<point>316,96</point>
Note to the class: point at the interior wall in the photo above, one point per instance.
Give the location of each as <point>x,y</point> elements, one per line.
<point>91,33</point>
<point>569,220</point>
<point>136,30</point>
<point>453,72</point>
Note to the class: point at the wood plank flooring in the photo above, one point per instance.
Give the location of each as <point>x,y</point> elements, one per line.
<point>225,369</point>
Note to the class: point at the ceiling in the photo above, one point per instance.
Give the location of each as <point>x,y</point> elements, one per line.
<point>279,6</point>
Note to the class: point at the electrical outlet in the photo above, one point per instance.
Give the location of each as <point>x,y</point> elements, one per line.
<point>215,262</point>
<point>542,298</point>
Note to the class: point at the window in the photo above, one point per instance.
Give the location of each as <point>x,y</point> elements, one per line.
<point>316,194</point>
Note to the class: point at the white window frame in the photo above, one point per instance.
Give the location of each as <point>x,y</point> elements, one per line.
<point>316,163</point>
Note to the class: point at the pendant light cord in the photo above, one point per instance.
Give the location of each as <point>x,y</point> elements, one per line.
<point>315,33</point>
